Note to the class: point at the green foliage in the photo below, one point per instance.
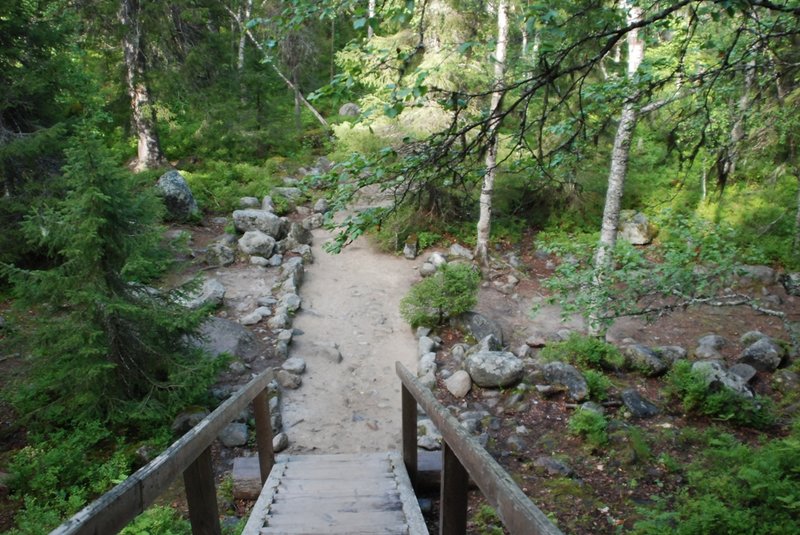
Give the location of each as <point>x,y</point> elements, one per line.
<point>158,520</point>
<point>103,346</point>
<point>591,426</point>
<point>58,472</point>
<point>451,291</point>
<point>584,352</point>
<point>486,521</point>
<point>689,388</point>
<point>428,239</point>
<point>599,384</point>
<point>734,488</point>
<point>218,185</point>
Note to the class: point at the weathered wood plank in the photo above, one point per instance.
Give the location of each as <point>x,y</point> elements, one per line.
<point>115,509</point>
<point>519,515</point>
<point>261,508</point>
<point>201,495</point>
<point>324,521</point>
<point>396,530</point>
<point>266,455</point>
<point>335,505</point>
<point>453,505</point>
<point>409,432</point>
<point>416,524</point>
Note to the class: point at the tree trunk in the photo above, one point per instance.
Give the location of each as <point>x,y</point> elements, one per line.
<point>149,155</point>
<point>371,13</point>
<point>298,118</point>
<point>485,218</point>
<point>621,150</point>
<point>244,15</point>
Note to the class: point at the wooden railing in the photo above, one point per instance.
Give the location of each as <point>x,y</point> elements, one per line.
<point>464,458</point>
<point>191,456</point>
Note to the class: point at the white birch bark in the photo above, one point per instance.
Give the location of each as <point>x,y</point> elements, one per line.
<point>371,14</point>
<point>244,14</point>
<point>149,155</point>
<point>485,217</point>
<point>621,150</point>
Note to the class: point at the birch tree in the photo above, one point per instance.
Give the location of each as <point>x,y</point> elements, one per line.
<point>149,155</point>
<point>485,217</point>
<point>622,145</point>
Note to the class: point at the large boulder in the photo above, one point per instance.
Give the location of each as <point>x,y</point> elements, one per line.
<point>299,234</point>
<point>257,243</point>
<point>219,335</point>
<point>210,293</point>
<point>267,222</point>
<point>492,369</point>
<point>764,355</point>
<point>349,109</point>
<point>645,360</point>
<point>716,377</point>
<point>478,325</point>
<point>636,228</point>
<point>560,373</point>
<point>791,283</point>
<point>177,196</point>
<point>754,274</point>
<point>219,253</point>
<point>638,405</point>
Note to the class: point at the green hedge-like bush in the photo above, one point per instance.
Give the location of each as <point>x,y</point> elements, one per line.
<point>449,292</point>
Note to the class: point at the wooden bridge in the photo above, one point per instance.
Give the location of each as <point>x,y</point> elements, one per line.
<point>351,494</point>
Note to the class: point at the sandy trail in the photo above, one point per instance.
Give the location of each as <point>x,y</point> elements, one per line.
<point>351,300</point>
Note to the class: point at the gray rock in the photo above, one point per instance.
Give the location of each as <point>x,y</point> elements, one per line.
<point>255,316</point>
<point>293,269</point>
<point>321,206</point>
<point>289,380</point>
<point>266,301</point>
<point>553,466</point>
<point>286,335</point>
<point>536,340</point>
<point>237,367</point>
<point>349,109</point>
<point>706,353</point>
<point>427,269</point>
<point>670,354</point>
<point>280,442</point>
<point>219,254</point>
<point>791,283</point>
<point>233,435</point>
<point>516,444</point>
<point>751,337</point>
<point>635,228</point>
<point>290,302</point>
<point>645,360</point>
<point>411,248</point>
<point>488,343</point>
<point>267,205</point>
<point>492,369</point>
<point>437,259</point>
<point>260,261</point>
<point>211,293</point>
<point>255,242</point>
<point>428,437</point>
<point>422,331</point>
<point>329,352</point>
<point>745,371</point>
<point>459,251</point>
<point>220,335</point>
<point>591,406</point>
<point>279,321</point>
<point>559,373</point>
<point>299,234</point>
<point>275,260</point>
<point>523,351</point>
<point>764,355</point>
<point>749,274</point>
<point>716,376</point>
<point>294,365</point>
<point>459,384</point>
<point>638,405</point>
<point>186,420</point>
<point>458,352</point>
<point>714,341</point>
<point>291,194</point>
<point>249,202</point>
<point>425,345</point>
<point>177,196</point>
<point>426,365</point>
<point>262,220</point>
<point>313,221</point>
<point>478,325</point>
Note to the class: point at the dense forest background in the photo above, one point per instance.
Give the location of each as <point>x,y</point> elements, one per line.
<point>484,120</point>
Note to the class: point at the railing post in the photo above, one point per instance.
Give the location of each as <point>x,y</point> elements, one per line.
<point>201,494</point>
<point>409,407</point>
<point>266,455</point>
<point>453,505</point>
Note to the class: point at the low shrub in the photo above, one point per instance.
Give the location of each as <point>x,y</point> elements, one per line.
<point>589,425</point>
<point>598,384</point>
<point>584,352</point>
<point>690,389</point>
<point>450,292</point>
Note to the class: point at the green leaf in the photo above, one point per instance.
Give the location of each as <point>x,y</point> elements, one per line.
<point>359,23</point>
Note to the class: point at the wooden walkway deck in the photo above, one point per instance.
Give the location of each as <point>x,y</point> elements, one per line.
<point>339,494</point>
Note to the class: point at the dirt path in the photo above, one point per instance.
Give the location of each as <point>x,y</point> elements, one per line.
<point>351,300</point>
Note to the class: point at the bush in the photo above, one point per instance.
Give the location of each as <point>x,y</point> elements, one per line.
<point>734,488</point>
<point>690,389</point>
<point>449,292</point>
<point>584,352</point>
<point>158,520</point>
<point>598,383</point>
<point>591,426</point>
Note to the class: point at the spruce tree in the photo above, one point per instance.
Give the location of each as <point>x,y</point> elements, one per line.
<point>102,344</point>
